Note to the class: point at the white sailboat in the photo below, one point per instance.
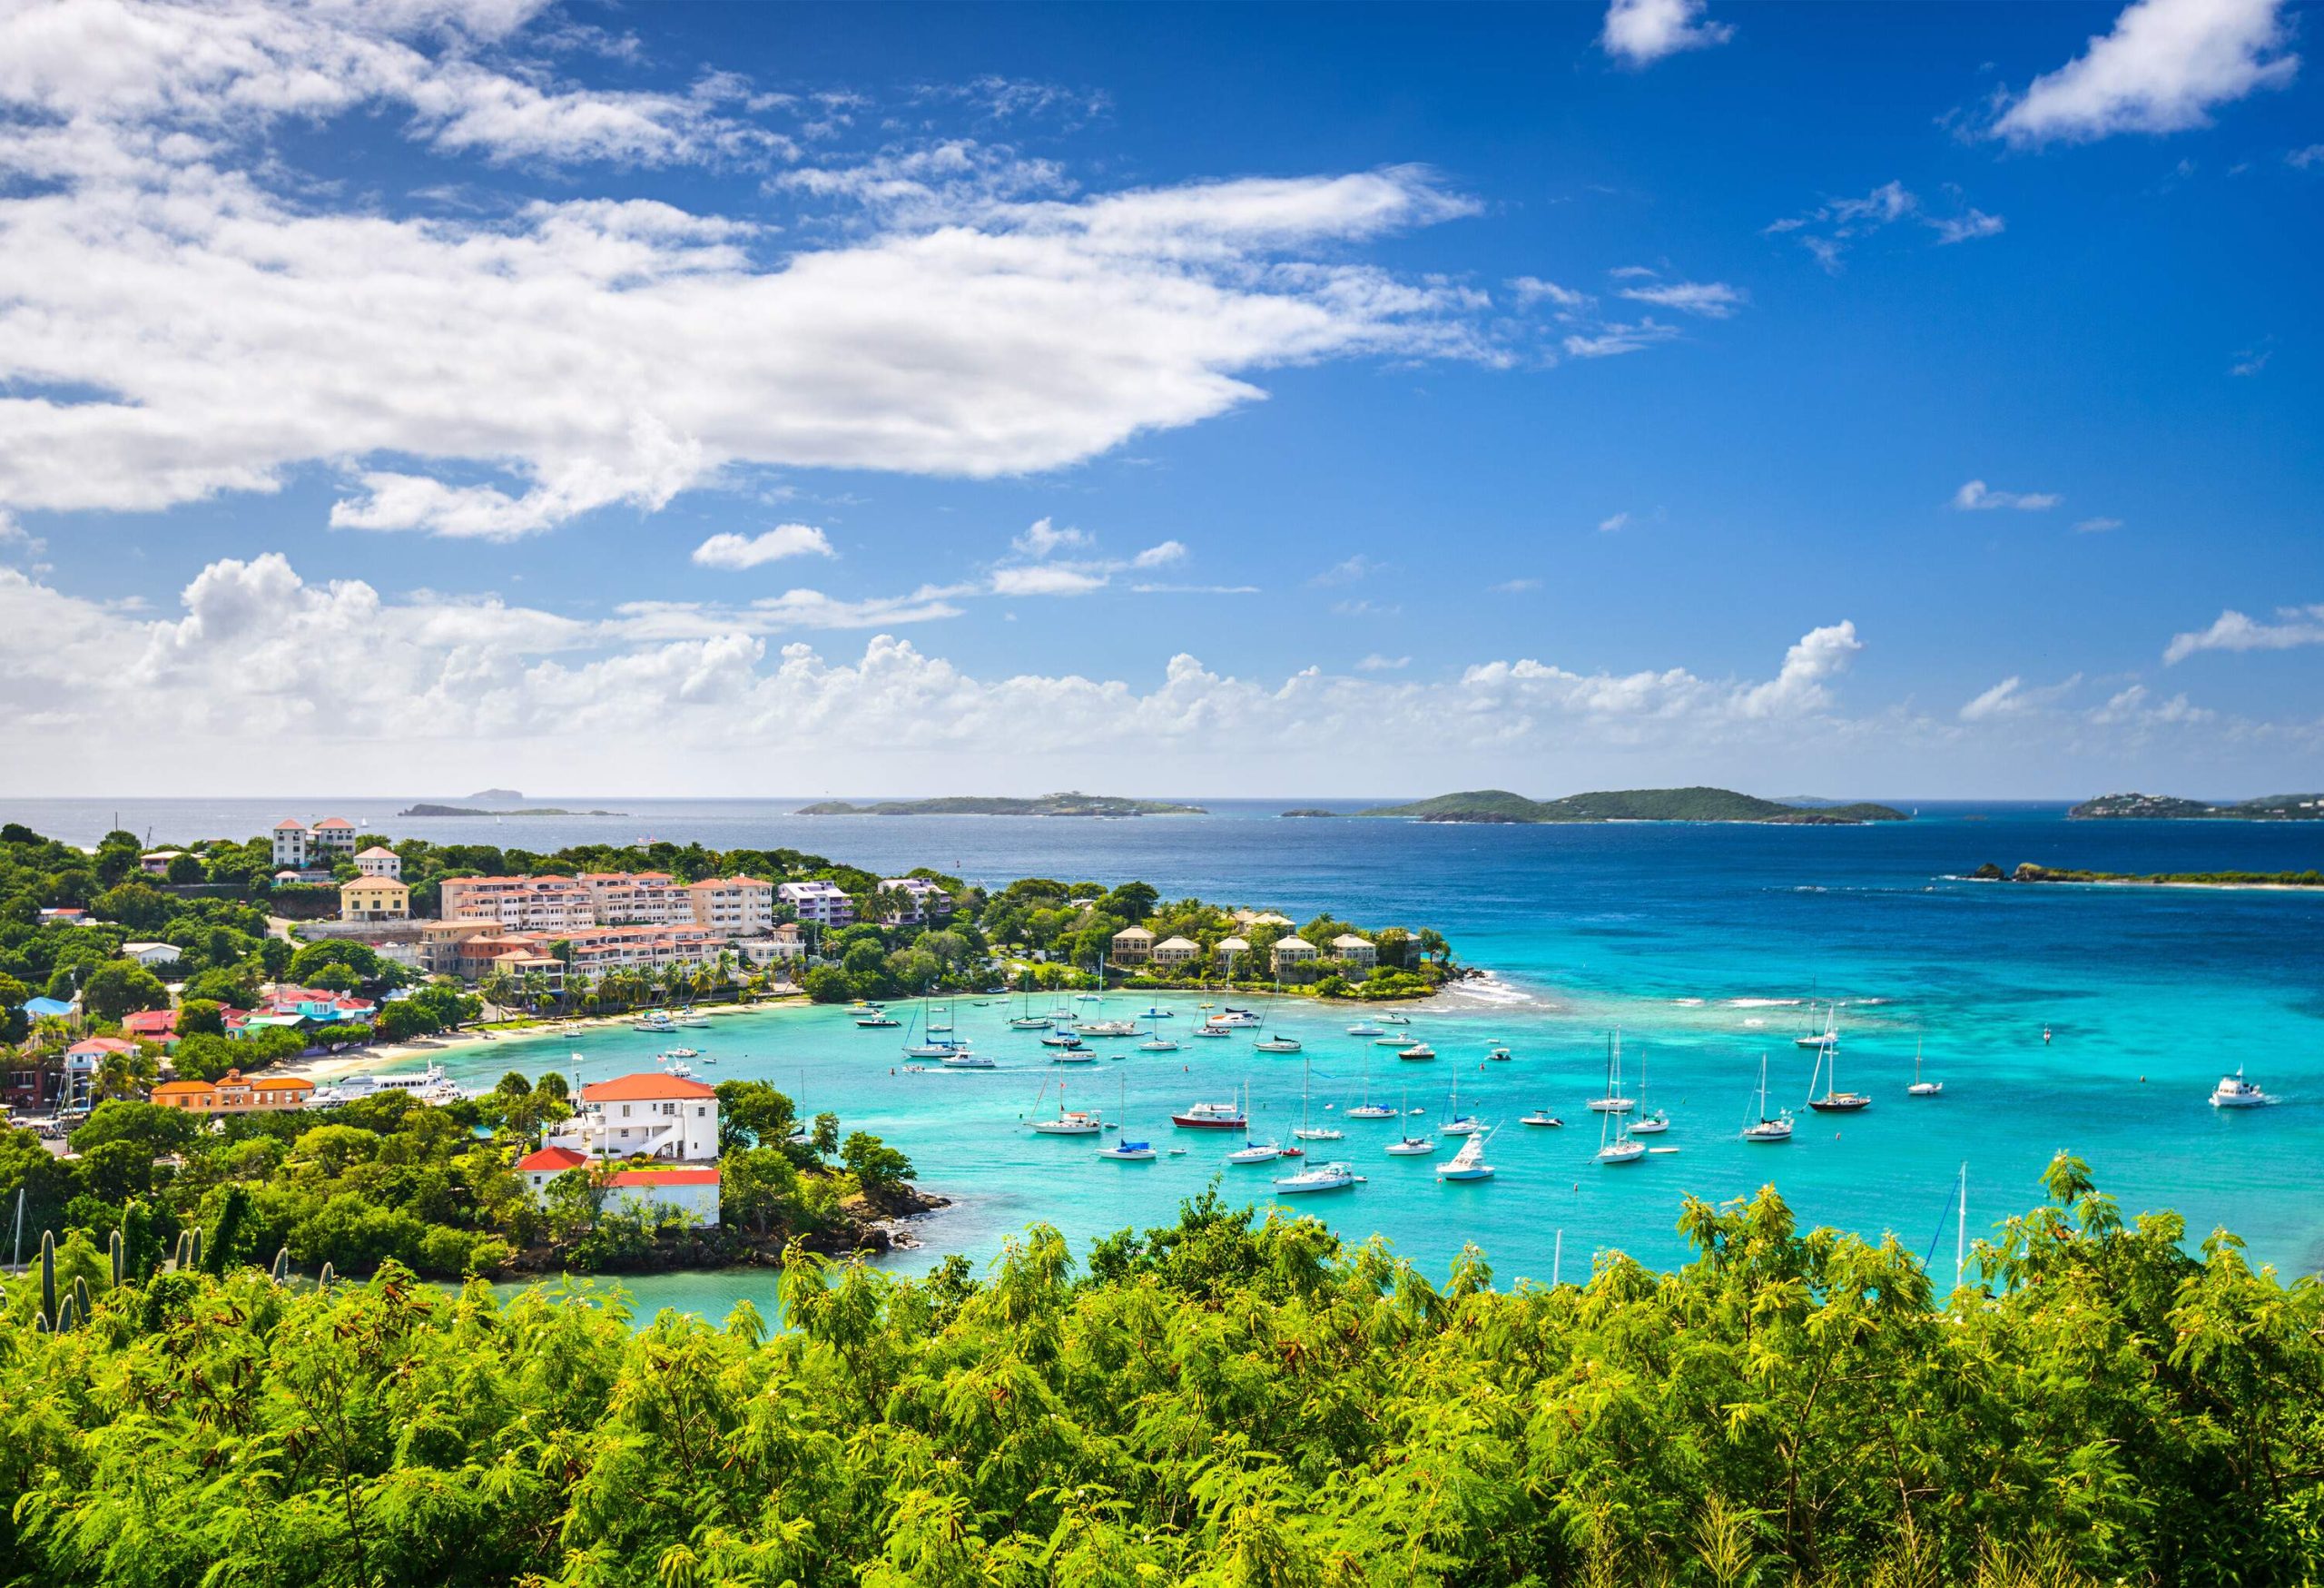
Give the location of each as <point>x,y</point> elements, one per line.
<point>1768,1128</point>
<point>1829,1036</point>
<point>1123,1149</point>
<point>1367,1108</point>
<point>1070,1122</point>
<point>1614,1143</point>
<point>1613,1102</point>
<point>1320,1177</point>
<point>1307,1132</point>
<point>1277,1043</point>
<point>1253,1151</point>
<point>1922,1088</point>
<point>1420,1146</point>
<point>1647,1124</point>
<point>1457,1123</point>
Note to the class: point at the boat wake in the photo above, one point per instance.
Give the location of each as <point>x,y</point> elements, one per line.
<point>1765,1003</point>
<point>1490,990</point>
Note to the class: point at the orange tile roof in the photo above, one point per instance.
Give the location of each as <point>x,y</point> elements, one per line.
<point>631,1088</point>
<point>180,1088</point>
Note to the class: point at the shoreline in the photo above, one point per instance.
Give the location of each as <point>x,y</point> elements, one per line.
<point>330,1067</point>
<point>2149,882</point>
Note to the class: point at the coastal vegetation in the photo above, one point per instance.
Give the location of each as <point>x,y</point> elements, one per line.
<point>386,1178</point>
<point>2297,807</point>
<point>1226,1402</point>
<point>1069,804</point>
<point>2030,872</point>
<point>1636,805</point>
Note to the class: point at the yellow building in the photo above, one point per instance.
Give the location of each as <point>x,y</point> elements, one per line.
<point>374,899</point>
<point>235,1093</point>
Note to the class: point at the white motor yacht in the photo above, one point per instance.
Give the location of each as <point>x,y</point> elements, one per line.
<point>1417,1053</point>
<point>962,1059</point>
<point>1321,1177</point>
<point>2235,1093</point>
<point>1364,1027</point>
<point>1469,1163</point>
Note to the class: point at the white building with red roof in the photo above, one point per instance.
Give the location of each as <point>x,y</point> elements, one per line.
<point>299,846</point>
<point>650,1115</point>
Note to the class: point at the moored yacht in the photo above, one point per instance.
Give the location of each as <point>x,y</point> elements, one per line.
<point>1276,1044</point>
<point>1417,1052</point>
<point>1834,1100</point>
<point>1070,1122</point>
<point>1613,1102</point>
<point>1129,1152</point>
<point>1922,1088</point>
<point>1768,1128</point>
<point>1320,1177</point>
<point>1469,1163</point>
<point>1211,1117</point>
<point>2235,1093</point>
<point>1364,1027</point>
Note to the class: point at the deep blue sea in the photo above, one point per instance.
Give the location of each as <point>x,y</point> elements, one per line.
<point>1699,943</point>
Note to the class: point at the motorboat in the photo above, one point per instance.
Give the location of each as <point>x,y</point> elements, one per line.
<point>1319,1177</point>
<point>1542,1117</point>
<point>942,1048</point>
<point>2235,1093</point>
<point>1393,1020</point>
<point>1769,1127</point>
<point>1394,1042</point>
<point>676,1053</point>
<point>655,1021</point>
<point>1211,1117</point>
<point>1276,1044</point>
<point>1075,1056</point>
<point>1105,1028</point>
<point>1207,1030</point>
<point>1231,1016</point>
<point>1419,1052</point>
<point>874,1022</point>
<point>1469,1163</point>
<point>1129,1153</point>
<point>1364,1027</point>
<point>1498,1054</point>
<point>692,1020</point>
<point>1922,1088</point>
<point>962,1059</point>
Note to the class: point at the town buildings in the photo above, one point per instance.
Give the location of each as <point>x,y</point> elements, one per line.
<point>379,861</point>
<point>236,1093</point>
<point>929,902</point>
<point>374,898</point>
<point>819,903</point>
<point>304,848</point>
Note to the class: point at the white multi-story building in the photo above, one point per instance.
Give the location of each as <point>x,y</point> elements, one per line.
<point>379,861</point>
<point>552,904</point>
<point>738,906</point>
<point>927,900</point>
<point>650,1115</point>
<point>823,904</point>
<point>301,847</point>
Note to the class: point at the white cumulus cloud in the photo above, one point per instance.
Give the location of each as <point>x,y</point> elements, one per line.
<point>1641,32</point>
<point>1977,497</point>
<point>2162,69</point>
<point>749,551</point>
<point>2294,627</point>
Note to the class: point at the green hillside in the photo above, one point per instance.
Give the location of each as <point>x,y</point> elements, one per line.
<point>2293,807</point>
<point>1633,804</point>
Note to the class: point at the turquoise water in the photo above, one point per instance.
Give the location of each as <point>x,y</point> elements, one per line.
<point>1688,938</point>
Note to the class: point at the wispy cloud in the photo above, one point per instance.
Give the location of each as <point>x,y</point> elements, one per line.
<point>2097,525</point>
<point>1614,522</point>
<point>1712,299</point>
<point>1376,662</point>
<point>1347,572</point>
<point>2252,361</point>
<point>1614,338</point>
<point>1363,608</point>
<point>1976,496</point>
<point>1516,587</point>
<point>2011,697</point>
<point>750,551</point>
<point>1533,290</point>
<point>2163,68</point>
<point>1829,230</point>
<point>2294,627</point>
<point>1965,227</point>
<point>1042,537</point>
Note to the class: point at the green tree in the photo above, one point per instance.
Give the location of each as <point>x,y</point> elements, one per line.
<point>881,1170</point>
<point>121,987</point>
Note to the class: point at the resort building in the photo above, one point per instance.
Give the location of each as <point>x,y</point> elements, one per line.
<point>1133,945</point>
<point>738,906</point>
<point>302,847</point>
<point>551,904</point>
<point>1294,955</point>
<point>1229,949</point>
<point>636,898</point>
<point>820,903</point>
<point>927,900</point>
<point>150,955</point>
<point>236,1093</point>
<point>785,944</point>
<point>649,1116</point>
<point>1176,951</point>
<point>1355,951</point>
<point>1247,919</point>
<point>379,860</point>
<point>374,899</point>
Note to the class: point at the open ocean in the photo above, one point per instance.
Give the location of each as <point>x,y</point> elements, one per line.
<point>1699,943</point>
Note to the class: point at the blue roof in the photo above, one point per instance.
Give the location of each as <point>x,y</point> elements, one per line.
<point>36,1007</point>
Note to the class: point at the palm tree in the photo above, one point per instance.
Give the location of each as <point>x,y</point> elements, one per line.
<point>499,987</point>
<point>124,1075</point>
<point>536,988</point>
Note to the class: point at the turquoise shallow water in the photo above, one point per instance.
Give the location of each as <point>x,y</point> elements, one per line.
<point>1680,935</point>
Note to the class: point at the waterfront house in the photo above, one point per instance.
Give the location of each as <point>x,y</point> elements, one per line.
<point>1353,950</point>
<point>820,903</point>
<point>1176,951</point>
<point>1250,918</point>
<point>1293,955</point>
<point>647,1115</point>
<point>379,860</point>
<point>150,955</point>
<point>1229,949</point>
<point>236,1093</point>
<point>370,898</point>
<point>1133,945</point>
<point>691,1189</point>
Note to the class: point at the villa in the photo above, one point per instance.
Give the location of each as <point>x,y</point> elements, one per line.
<point>374,898</point>
<point>151,1025</point>
<point>692,1191</point>
<point>150,954</point>
<point>303,848</point>
<point>379,861</point>
<point>156,863</point>
<point>1231,948</point>
<point>1176,951</point>
<point>1294,955</point>
<point>822,903</point>
<point>645,1115</point>
<point>1353,950</point>
<point>1133,945</point>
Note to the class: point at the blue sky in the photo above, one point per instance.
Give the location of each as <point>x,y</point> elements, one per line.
<point>1889,399</point>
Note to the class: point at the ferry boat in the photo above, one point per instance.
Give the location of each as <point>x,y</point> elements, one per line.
<point>1321,1177</point>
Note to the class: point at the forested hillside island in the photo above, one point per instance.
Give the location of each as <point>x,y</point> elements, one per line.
<point>1636,805</point>
<point>1225,1402</point>
<point>424,809</point>
<point>2299,807</point>
<point>2030,872</point>
<point>1069,804</point>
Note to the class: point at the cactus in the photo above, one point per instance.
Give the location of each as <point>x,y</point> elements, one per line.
<point>282,1265</point>
<point>194,1247</point>
<point>82,1304</point>
<point>120,1255</point>
<point>40,1323</point>
<point>48,1275</point>
<point>184,1258</point>
<point>69,1318</point>
<point>327,1278</point>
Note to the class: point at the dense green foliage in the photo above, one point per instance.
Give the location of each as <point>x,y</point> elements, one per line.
<point>1633,804</point>
<point>1220,1403</point>
<point>388,1179</point>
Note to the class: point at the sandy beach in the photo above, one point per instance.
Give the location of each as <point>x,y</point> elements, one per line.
<point>386,1055</point>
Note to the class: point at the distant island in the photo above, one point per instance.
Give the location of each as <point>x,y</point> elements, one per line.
<point>429,810</point>
<point>1309,811</point>
<point>495,796</point>
<point>1634,804</point>
<point>1069,804</point>
<point>2030,872</point>
<point>2299,807</point>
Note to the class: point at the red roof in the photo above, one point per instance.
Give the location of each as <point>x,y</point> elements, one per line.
<point>289,821</point>
<point>148,1021</point>
<point>552,1159</point>
<point>661,1177</point>
<point>333,822</point>
<point>632,1088</point>
<point>101,1045</point>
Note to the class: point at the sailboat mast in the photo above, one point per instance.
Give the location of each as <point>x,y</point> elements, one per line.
<point>1961,1229</point>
